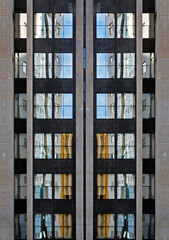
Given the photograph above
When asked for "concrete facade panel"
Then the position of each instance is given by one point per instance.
(6, 121)
(162, 122)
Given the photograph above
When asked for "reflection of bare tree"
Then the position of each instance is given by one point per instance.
(44, 229)
(121, 65)
(47, 36)
(45, 145)
(46, 25)
(122, 105)
(46, 67)
(122, 28)
(123, 146)
(124, 229)
(46, 106)
(17, 155)
(121, 34)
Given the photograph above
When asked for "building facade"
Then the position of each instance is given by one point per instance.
(84, 119)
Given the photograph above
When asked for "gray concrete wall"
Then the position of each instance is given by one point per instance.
(79, 121)
(30, 120)
(89, 120)
(162, 120)
(139, 120)
(6, 122)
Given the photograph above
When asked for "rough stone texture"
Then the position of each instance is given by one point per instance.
(6, 122)
(30, 120)
(89, 120)
(79, 121)
(162, 120)
(139, 121)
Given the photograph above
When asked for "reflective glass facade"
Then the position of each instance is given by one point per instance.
(69, 104)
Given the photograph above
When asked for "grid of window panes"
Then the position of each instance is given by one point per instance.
(63, 105)
(62, 145)
(53, 107)
(111, 226)
(43, 25)
(63, 65)
(105, 105)
(44, 186)
(20, 115)
(125, 147)
(109, 25)
(44, 223)
(107, 188)
(148, 114)
(115, 104)
(106, 65)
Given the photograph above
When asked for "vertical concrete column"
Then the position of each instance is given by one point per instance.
(6, 121)
(79, 121)
(139, 130)
(162, 121)
(30, 120)
(89, 120)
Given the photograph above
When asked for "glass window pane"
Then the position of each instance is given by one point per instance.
(148, 146)
(43, 106)
(125, 186)
(105, 65)
(125, 105)
(20, 105)
(105, 105)
(20, 65)
(126, 146)
(43, 65)
(63, 145)
(125, 65)
(105, 186)
(148, 70)
(20, 145)
(43, 25)
(63, 25)
(43, 226)
(148, 26)
(106, 226)
(64, 106)
(148, 186)
(63, 65)
(20, 25)
(20, 186)
(148, 226)
(43, 186)
(125, 25)
(42, 146)
(20, 226)
(105, 25)
(63, 186)
(126, 221)
(105, 145)
(63, 226)
(148, 106)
